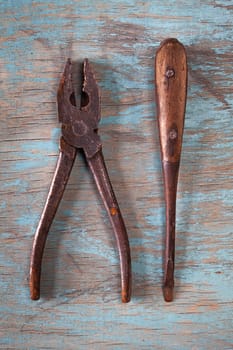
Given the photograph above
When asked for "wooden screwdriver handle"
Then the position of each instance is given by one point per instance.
(171, 87)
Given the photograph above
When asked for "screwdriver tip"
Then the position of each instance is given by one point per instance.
(168, 293)
(125, 296)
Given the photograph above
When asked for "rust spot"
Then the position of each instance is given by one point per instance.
(113, 211)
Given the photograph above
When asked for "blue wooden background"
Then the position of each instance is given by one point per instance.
(80, 306)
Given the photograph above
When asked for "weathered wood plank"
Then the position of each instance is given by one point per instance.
(81, 307)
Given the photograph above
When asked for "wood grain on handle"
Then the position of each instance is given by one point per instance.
(171, 86)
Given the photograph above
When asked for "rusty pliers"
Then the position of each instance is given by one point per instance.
(79, 130)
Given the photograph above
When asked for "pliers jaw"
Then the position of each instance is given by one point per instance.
(80, 124)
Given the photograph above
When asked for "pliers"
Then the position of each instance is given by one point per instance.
(79, 131)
